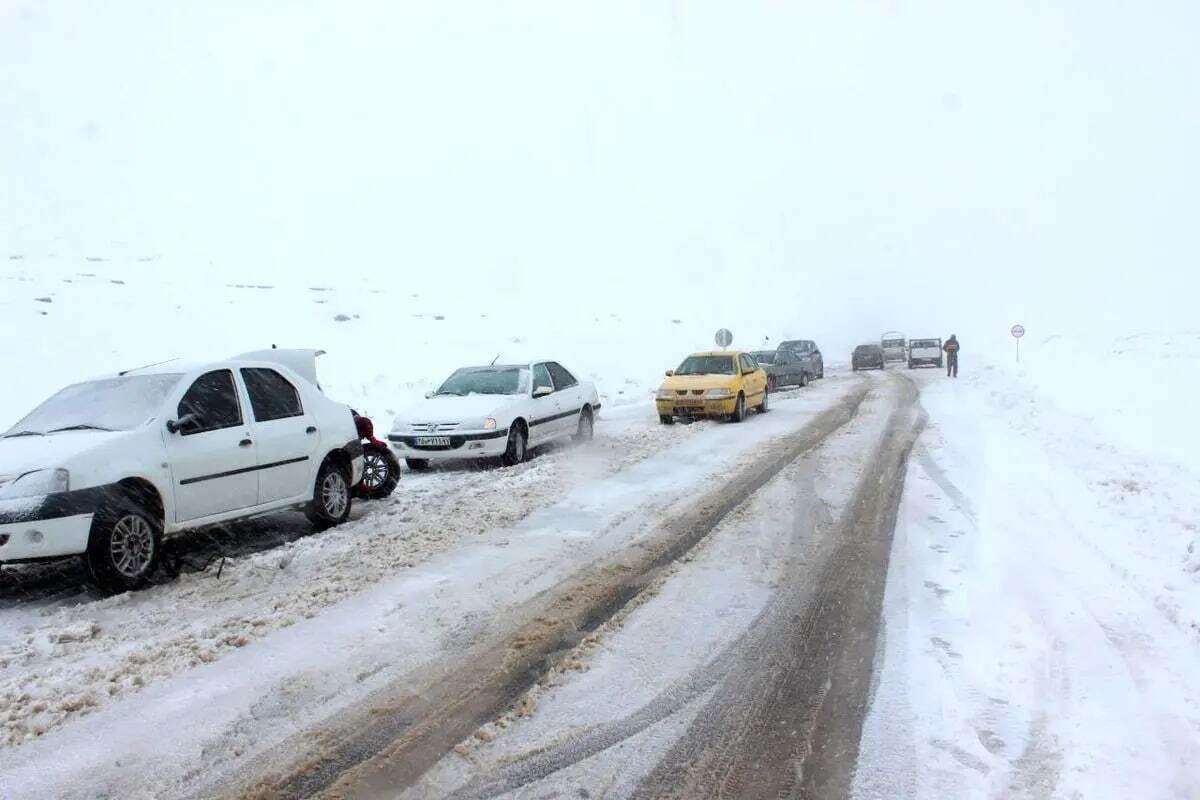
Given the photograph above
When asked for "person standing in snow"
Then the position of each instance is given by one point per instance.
(951, 348)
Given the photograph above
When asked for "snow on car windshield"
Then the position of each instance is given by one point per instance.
(487, 380)
(706, 365)
(764, 356)
(113, 404)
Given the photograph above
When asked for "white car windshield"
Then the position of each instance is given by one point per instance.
(487, 380)
(112, 404)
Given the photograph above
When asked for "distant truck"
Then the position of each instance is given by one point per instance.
(925, 353)
(895, 348)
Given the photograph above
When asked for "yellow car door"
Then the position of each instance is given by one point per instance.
(754, 379)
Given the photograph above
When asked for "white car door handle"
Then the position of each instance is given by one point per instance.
(245, 443)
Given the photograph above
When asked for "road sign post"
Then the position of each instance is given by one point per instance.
(1018, 331)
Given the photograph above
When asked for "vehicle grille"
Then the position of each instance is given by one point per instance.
(434, 427)
(682, 392)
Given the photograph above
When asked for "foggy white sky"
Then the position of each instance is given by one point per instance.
(929, 166)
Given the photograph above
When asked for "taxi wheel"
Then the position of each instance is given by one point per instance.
(739, 409)
(764, 406)
(666, 419)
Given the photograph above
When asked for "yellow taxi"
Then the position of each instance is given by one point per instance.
(715, 384)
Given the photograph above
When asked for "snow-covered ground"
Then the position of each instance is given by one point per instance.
(1042, 616)
(286, 637)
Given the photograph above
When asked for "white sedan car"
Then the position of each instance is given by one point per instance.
(497, 411)
(107, 467)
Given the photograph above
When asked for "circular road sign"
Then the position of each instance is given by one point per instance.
(724, 338)
(1018, 331)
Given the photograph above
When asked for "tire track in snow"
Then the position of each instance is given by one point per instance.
(719, 755)
(389, 745)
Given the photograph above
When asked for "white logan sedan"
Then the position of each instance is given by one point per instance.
(497, 411)
(106, 467)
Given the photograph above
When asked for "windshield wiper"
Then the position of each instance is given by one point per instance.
(83, 427)
(23, 433)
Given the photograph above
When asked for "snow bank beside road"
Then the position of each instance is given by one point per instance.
(1042, 617)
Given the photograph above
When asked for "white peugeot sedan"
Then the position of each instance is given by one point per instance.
(497, 411)
(107, 467)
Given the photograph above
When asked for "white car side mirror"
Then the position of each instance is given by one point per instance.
(542, 391)
(428, 395)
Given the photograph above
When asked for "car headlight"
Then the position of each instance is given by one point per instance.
(400, 425)
(489, 423)
(664, 394)
(36, 483)
(717, 394)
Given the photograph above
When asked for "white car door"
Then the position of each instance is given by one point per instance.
(544, 420)
(211, 453)
(570, 398)
(285, 434)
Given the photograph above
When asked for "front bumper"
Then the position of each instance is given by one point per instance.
(44, 538)
(465, 444)
(702, 408)
(921, 362)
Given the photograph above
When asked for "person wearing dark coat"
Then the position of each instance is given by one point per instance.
(951, 348)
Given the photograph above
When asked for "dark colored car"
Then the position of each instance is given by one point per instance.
(808, 353)
(784, 368)
(867, 356)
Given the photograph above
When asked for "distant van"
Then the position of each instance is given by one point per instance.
(925, 353)
(895, 348)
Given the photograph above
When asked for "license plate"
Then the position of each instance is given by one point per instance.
(433, 441)
(691, 403)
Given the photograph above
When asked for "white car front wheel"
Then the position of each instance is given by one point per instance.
(124, 546)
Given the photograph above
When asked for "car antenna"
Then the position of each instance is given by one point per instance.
(494, 360)
(125, 372)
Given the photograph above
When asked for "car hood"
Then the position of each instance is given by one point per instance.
(452, 408)
(21, 454)
(700, 382)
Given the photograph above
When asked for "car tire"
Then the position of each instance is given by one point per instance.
(764, 406)
(772, 383)
(332, 498)
(124, 546)
(587, 426)
(803, 379)
(517, 449)
(381, 473)
(739, 409)
(417, 464)
(666, 419)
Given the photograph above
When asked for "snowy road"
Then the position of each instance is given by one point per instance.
(694, 611)
(444, 567)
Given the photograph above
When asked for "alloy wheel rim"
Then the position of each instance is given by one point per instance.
(375, 471)
(131, 546)
(334, 494)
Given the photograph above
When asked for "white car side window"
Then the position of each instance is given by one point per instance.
(541, 377)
